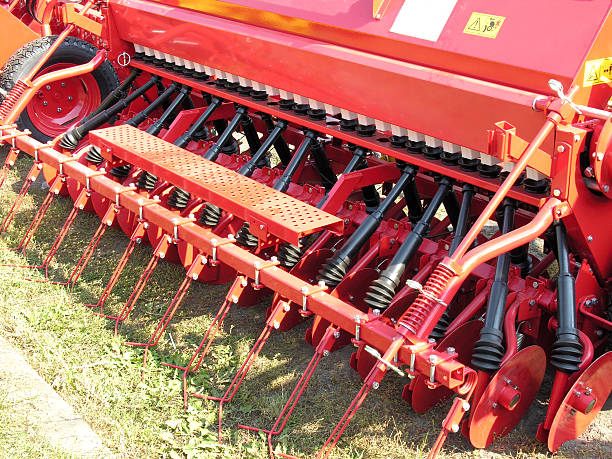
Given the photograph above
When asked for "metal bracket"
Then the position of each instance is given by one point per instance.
(306, 292)
(260, 267)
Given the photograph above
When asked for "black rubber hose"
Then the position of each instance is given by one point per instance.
(184, 139)
(140, 117)
(328, 177)
(250, 133)
(567, 350)
(157, 126)
(336, 267)
(117, 94)
(213, 152)
(489, 349)
(71, 139)
(383, 289)
(280, 145)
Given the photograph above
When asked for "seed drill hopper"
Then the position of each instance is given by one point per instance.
(423, 182)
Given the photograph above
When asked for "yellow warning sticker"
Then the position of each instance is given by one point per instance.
(484, 25)
(598, 72)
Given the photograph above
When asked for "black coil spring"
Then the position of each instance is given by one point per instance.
(333, 272)
(94, 155)
(245, 238)
(439, 330)
(179, 198)
(211, 215)
(289, 255)
(121, 172)
(146, 181)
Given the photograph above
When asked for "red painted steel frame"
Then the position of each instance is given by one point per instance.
(438, 103)
(373, 331)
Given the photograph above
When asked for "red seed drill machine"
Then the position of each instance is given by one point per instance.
(377, 139)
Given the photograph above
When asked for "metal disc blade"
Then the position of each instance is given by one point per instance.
(522, 374)
(570, 422)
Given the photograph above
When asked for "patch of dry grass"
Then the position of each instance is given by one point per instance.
(93, 370)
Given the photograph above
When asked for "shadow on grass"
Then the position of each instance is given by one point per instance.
(390, 427)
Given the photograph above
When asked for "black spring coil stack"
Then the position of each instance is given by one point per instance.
(179, 198)
(567, 350)
(146, 181)
(121, 172)
(94, 155)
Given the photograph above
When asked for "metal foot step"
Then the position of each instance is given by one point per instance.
(266, 210)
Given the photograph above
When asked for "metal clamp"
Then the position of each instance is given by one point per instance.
(260, 267)
(374, 353)
(178, 222)
(306, 292)
(215, 243)
(119, 191)
(557, 86)
(417, 286)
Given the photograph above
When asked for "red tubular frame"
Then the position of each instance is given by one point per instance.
(374, 331)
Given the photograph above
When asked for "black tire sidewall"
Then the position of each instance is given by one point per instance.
(72, 51)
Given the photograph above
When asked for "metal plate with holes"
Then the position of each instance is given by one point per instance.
(258, 204)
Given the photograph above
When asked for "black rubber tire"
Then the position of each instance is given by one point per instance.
(73, 51)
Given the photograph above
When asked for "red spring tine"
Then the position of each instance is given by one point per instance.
(192, 274)
(135, 238)
(206, 342)
(105, 223)
(38, 216)
(323, 349)
(159, 253)
(9, 162)
(30, 178)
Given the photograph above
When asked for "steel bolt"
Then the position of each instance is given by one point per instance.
(337, 334)
(494, 405)
(590, 238)
(286, 307)
(561, 148)
(433, 358)
(576, 138)
(588, 303)
(606, 188)
(63, 85)
(535, 285)
(59, 110)
(599, 333)
(276, 325)
(466, 406)
(450, 350)
(45, 103)
(375, 385)
(194, 276)
(532, 302)
(48, 88)
(138, 240)
(431, 341)
(69, 98)
(325, 353)
(595, 301)
(556, 192)
(376, 312)
(455, 428)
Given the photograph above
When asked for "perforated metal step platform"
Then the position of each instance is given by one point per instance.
(262, 207)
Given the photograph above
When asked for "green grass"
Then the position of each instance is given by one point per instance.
(143, 416)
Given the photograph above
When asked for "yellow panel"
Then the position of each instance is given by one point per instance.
(484, 25)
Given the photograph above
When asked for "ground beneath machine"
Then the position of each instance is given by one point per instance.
(77, 354)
